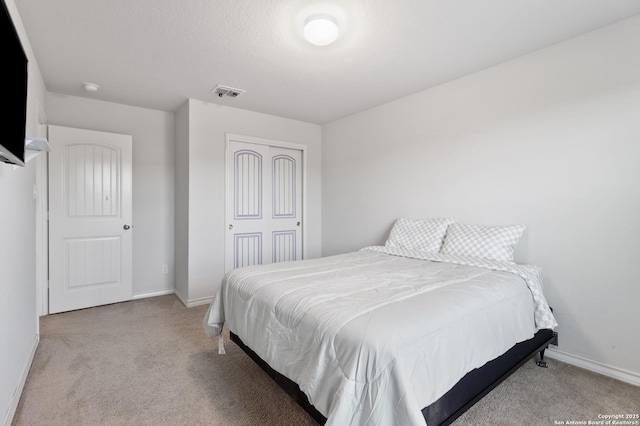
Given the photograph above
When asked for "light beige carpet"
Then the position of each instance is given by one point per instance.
(148, 362)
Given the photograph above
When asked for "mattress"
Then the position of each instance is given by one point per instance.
(373, 336)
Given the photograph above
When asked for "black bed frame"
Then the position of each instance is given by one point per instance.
(469, 390)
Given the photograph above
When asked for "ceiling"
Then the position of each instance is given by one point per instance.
(157, 53)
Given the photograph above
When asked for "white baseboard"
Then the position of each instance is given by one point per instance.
(597, 367)
(194, 302)
(152, 294)
(13, 406)
(200, 301)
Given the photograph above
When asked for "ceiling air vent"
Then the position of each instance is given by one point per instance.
(227, 91)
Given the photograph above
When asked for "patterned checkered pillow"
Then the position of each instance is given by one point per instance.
(495, 243)
(418, 234)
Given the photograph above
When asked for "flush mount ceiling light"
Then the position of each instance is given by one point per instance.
(90, 87)
(321, 30)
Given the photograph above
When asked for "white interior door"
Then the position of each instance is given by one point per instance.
(264, 203)
(90, 212)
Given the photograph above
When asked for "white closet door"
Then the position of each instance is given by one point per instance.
(286, 204)
(90, 209)
(264, 204)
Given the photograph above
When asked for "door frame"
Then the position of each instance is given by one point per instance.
(41, 195)
(234, 137)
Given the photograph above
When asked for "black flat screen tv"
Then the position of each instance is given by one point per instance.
(15, 72)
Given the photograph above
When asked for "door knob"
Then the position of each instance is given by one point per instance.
(298, 224)
(230, 226)
(126, 227)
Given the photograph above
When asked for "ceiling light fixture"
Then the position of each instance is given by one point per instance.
(321, 30)
(90, 87)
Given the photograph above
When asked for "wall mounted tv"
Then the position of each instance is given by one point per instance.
(15, 72)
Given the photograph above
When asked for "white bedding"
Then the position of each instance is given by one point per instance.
(372, 337)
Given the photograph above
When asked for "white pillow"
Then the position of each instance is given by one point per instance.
(495, 243)
(418, 234)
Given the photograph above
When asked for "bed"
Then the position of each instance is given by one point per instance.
(386, 334)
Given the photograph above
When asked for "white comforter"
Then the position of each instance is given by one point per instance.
(372, 337)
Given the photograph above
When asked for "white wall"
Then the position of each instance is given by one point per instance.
(153, 179)
(551, 140)
(207, 127)
(18, 315)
